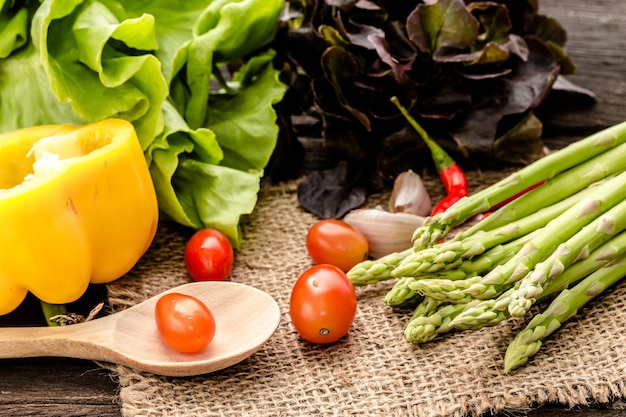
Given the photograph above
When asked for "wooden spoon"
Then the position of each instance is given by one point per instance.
(245, 319)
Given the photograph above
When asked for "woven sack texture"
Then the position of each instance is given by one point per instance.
(373, 371)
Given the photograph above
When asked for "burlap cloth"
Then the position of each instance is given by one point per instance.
(373, 371)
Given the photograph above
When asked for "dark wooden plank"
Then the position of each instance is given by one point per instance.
(580, 412)
(57, 386)
(597, 44)
(586, 412)
(613, 409)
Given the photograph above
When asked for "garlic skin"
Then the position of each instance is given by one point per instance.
(386, 232)
(409, 195)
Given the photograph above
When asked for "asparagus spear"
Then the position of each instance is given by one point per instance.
(456, 292)
(548, 238)
(498, 254)
(401, 295)
(436, 227)
(425, 308)
(443, 255)
(439, 284)
(374, 271)
(493, 311)
(588, 174)
(528, 342)
(464, 271)
(423, 327)
(578, 246)
(483, 249)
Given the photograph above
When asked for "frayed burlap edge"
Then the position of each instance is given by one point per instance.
(373, 371)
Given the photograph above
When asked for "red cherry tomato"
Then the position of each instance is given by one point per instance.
(337, 243)
(209, 256)
(323, 304)
(185, 323)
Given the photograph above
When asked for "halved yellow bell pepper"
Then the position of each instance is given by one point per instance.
(77, 205)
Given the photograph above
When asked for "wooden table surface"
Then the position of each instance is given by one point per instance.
(597, 44)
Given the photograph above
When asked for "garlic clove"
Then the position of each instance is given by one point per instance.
(409, 195)
(386, 232)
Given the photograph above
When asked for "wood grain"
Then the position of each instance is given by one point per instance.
(597, 45)
(57, 387)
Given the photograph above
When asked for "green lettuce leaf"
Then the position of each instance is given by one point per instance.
(218, 39)
(239, 139)
(86, 53)
(13, 28)
(26, 98)
(238, 117)
(163, 155)
(221, 187)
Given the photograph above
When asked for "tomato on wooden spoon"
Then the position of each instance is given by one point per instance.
(323, 304)
(209, 256)
(185, 323)
(336, 242)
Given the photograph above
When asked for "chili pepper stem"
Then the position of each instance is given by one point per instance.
(52, 310)
(440, 157)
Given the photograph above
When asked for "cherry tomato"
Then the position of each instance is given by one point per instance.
(337, 243)
(185, 323)
(209, 255)
(322, 304)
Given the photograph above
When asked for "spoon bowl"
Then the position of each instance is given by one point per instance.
(245, 318)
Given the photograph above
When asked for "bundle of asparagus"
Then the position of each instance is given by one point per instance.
(563, 241)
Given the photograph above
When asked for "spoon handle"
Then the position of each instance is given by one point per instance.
(89, 340)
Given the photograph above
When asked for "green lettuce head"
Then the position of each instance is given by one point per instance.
(207, 131)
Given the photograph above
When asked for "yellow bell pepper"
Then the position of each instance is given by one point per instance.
(77, 205)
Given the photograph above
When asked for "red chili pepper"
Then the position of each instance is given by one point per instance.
(508, 200)
(455, 183)
(453, 178)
